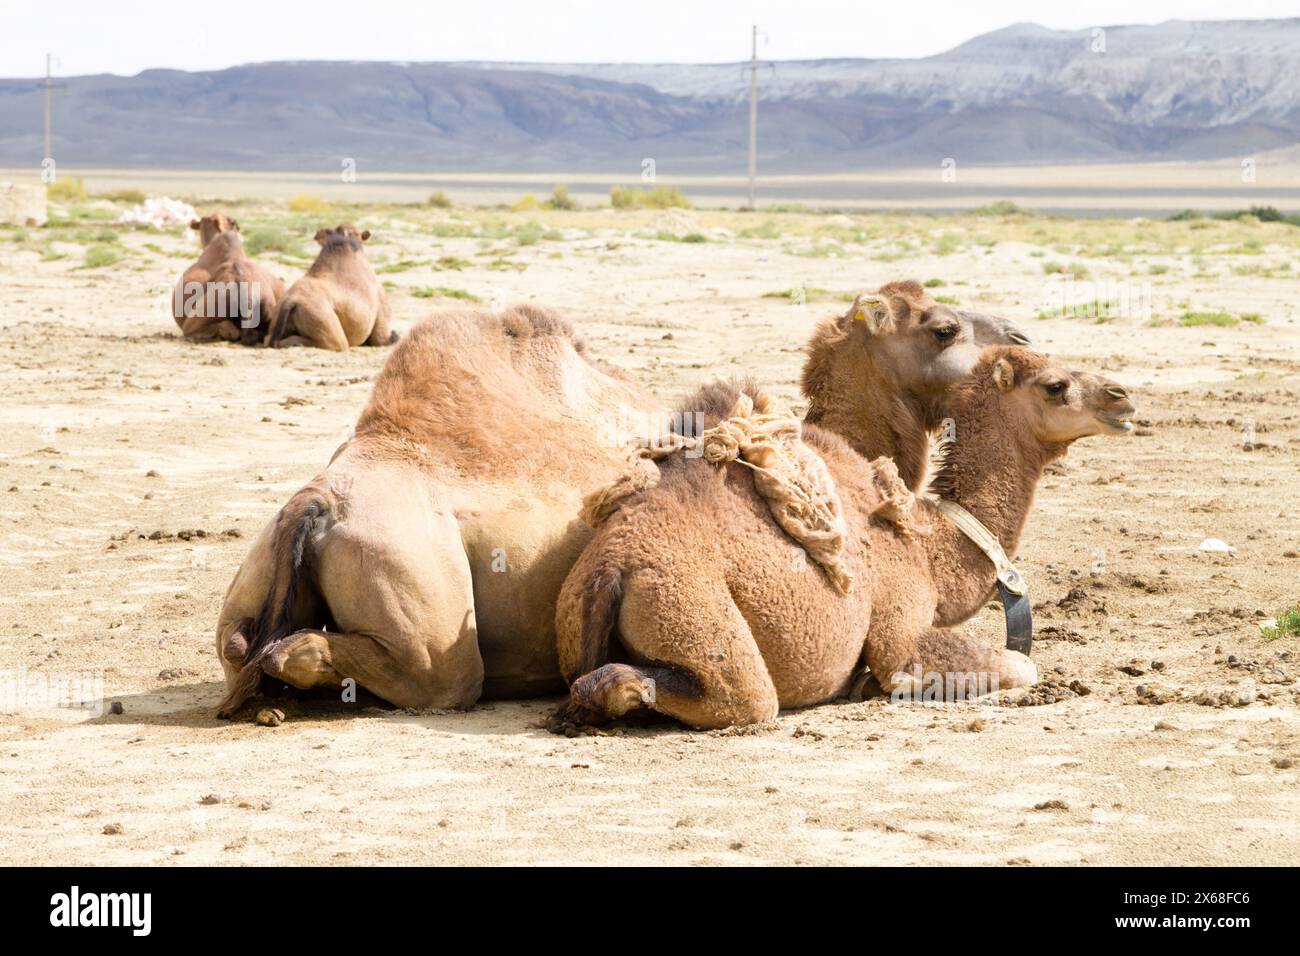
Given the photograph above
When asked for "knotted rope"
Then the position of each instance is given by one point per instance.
(788, 475)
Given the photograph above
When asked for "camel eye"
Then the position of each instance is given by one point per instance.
(946, 334)
(1057, 389)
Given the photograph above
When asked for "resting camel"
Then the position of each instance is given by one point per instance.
(694, 575)
(339, 302)
(426, 560)
(224, 295)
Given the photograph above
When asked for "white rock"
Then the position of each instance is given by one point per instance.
(1215, 546)
(22, 205)
(160, 212)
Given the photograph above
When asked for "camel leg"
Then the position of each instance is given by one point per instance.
(396, 580)
(398, 585)
(698, 661)
(319, 326)
(996, 668)
(903, 653)
(244, 598)
(382, 333)
(199, 328)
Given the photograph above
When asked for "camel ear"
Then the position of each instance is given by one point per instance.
(194, 224)
(1004, 375)
(869, 310)
(234, 225)
(365, 234)
(321, 234)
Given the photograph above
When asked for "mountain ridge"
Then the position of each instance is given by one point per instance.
(1022, 94)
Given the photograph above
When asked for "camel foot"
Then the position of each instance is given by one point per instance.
(1018, 670)
(301, 660)
(613, 690)
(605, 694)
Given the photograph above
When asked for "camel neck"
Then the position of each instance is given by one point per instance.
(991, 470)
(848, 401)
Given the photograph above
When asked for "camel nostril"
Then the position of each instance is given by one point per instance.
(1016, 337)
(1116, 392)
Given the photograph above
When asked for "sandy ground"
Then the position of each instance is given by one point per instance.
(115, 436)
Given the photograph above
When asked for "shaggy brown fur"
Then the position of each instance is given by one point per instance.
(223, 266)
(432, 547)
(877, 374)
(340, 302)
(722, 627)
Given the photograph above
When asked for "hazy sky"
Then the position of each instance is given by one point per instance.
(126, 36)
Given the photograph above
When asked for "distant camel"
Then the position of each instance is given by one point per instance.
(339, 302)
(225, 295)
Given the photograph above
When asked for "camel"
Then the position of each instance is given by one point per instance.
(464, 508)
(720, 628)
(224, 295)
(429, 552)
(339, 302)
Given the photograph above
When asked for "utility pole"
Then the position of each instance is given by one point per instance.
(49, 106)
(753, 115)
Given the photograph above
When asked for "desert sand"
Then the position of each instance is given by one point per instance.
(136, 468)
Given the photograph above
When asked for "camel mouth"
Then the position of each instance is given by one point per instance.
(1117, 426)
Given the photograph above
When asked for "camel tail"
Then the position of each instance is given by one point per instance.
(280, 325)
(601, 601)
(298, 520)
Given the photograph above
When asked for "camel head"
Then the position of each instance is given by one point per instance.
(343, 232)
(920, 345)
(993, 329)
(213, 225)
(1055, 405)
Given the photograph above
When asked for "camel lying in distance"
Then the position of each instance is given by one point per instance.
(340, 302)
(695, 578)
(507, 422)
(224, 295)
(434, 544)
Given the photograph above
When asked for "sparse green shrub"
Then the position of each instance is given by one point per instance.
(67, 190)
(98, 257)
(438, 200)
(1208, 318)
(307, 203)
(560, 198)
(128, 197)
(258, 241)
(1288, 625)
(660, 197)
(444, 292)
(1001, 207)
